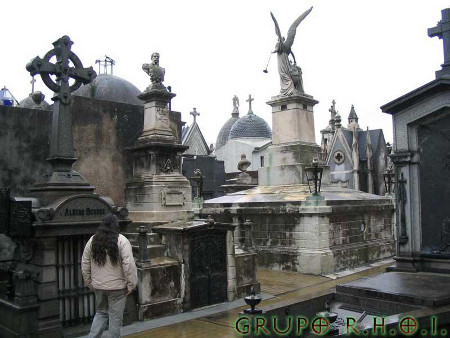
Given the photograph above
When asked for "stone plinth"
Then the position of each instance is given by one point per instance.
(159, 287)
(158, 191)
(156, 116)
(347, 228)
(205, 250)
(293, 119)
(285, 164)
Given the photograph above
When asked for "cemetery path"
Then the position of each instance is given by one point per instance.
(277, 287)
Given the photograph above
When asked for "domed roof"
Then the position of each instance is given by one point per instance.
(110, 88)
(250, 125)
(35, 100)
(224, 132)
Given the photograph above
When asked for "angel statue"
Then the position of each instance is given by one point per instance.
(290, 74)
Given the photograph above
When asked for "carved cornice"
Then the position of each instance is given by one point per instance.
(402, 158)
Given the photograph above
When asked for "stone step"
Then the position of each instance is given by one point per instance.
(154, 251)
(152, 238)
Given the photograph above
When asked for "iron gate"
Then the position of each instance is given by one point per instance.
(208, 281)
(76, 301)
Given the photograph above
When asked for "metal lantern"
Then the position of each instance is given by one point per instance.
(314, 174)
(389, 180)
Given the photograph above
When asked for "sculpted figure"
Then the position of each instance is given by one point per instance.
(235, 104)
(290, 74)
(155, 71)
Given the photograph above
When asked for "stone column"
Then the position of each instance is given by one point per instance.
(231, 267)
(158, 191)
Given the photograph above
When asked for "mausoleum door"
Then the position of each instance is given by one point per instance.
(434, 148)
(208, 281)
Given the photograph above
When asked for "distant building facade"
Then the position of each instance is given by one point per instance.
(357, 158)
(249, 135)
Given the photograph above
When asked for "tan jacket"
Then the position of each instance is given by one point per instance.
(108, 276)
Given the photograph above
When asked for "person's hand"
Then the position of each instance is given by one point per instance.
(129, 291)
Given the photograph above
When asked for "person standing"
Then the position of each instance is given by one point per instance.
(108, 267)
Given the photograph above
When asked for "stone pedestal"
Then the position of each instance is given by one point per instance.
(156, 116)
(285, 164)
(293, 119)
(158, 191)
(293, 141)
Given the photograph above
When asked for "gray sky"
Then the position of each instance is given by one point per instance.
(359, 52)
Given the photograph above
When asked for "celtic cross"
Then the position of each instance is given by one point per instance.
(61, 147)
(61, 70)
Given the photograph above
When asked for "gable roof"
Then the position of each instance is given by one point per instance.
(192, 135)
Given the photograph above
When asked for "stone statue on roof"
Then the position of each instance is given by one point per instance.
(155, 71)
(290, 74)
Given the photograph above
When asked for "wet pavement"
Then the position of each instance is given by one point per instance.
(277, 288)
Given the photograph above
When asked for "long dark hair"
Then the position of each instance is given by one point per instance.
(105, 241)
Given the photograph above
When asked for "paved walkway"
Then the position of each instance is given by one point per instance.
(277, 287)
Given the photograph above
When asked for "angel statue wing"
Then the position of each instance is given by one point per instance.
(277, 28)
(291, 32)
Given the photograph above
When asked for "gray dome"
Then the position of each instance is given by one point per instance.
(110, 88)
(222, 138)
(35, 101)
(250, 125)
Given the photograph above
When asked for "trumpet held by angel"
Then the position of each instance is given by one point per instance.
(290, 74)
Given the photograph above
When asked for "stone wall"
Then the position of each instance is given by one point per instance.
(318, 240)
(102, 130)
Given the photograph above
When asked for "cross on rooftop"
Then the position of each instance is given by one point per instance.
(332, 109)
(250, 104)
(195, 113)
(442, 30)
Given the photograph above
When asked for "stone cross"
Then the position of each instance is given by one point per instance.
(61, 146)
(332, 109)
(195, 114)
(32, 84)
(442, 30)
(250, 103)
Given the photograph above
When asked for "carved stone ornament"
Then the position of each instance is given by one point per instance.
(45, 215)
(338, 157)
(162, 114)
(168, 164)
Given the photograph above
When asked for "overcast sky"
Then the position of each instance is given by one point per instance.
(359, 52)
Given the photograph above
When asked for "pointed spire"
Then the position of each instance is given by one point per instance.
(355, 158)
(353, 119)
(352, 114)
(369, 155)
(337, 121)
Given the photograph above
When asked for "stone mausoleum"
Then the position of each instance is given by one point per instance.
(132, 152)
(290, 229)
